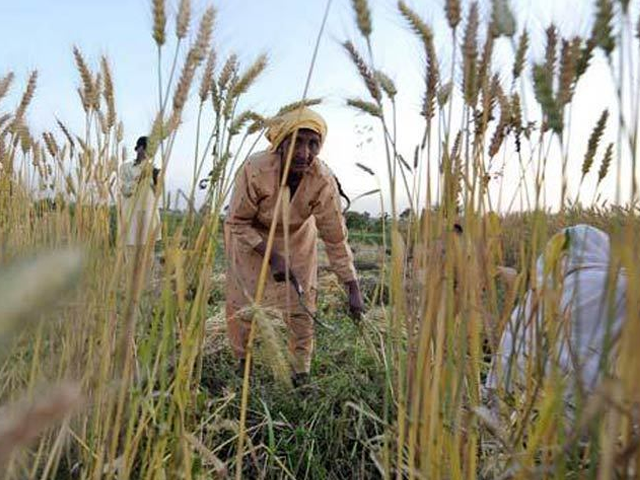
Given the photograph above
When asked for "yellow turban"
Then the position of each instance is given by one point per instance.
(284, 125)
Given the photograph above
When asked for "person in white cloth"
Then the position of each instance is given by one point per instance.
(139, 212)
(582, 345)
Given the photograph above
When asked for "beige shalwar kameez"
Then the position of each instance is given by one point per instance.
(139, 213)
(314, 209)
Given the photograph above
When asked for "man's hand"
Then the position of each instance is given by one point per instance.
(277, 263)
(278, 267)
(356, 305)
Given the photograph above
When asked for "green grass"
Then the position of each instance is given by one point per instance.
(313, 431)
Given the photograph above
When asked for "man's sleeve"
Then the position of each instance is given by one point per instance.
(333, 231)
(243, 209)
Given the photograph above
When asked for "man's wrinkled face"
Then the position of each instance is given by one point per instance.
(306, 148)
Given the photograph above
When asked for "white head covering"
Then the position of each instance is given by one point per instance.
(592, 311)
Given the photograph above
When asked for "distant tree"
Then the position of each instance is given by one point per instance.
(358, 221)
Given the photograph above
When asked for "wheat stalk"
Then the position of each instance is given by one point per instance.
(516, 119)
(386, 84)
(503, 23)
(183, 19)
(550, 55)
(26, 140)
(484, 69)
(159, 22)
(569, 56)
(453, 13)
(419, 27)
(503, 123)
(241, 120)
(4, 118)
(366, 107)
(606, 163)
(96, 90)
(86, 93)
(66, 133)
(309, 102)
(364, 70)
(183, 87)
(521, 52)
(26, 99)
(203, 38)
(585, 57)
(5, 84)
(207, 77)
(228, 71)
(602, 32)
(108, 93)
(51, 144)
(594, 141)
(365, 168)
(431, 81)
(469, 51)
(246, 80)
(363, 17)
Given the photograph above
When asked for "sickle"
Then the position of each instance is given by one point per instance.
(300, 293)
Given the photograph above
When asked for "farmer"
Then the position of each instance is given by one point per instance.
(313, 209)
(139, 208)
(579, 339)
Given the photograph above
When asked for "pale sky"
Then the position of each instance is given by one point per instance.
(40, 34)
